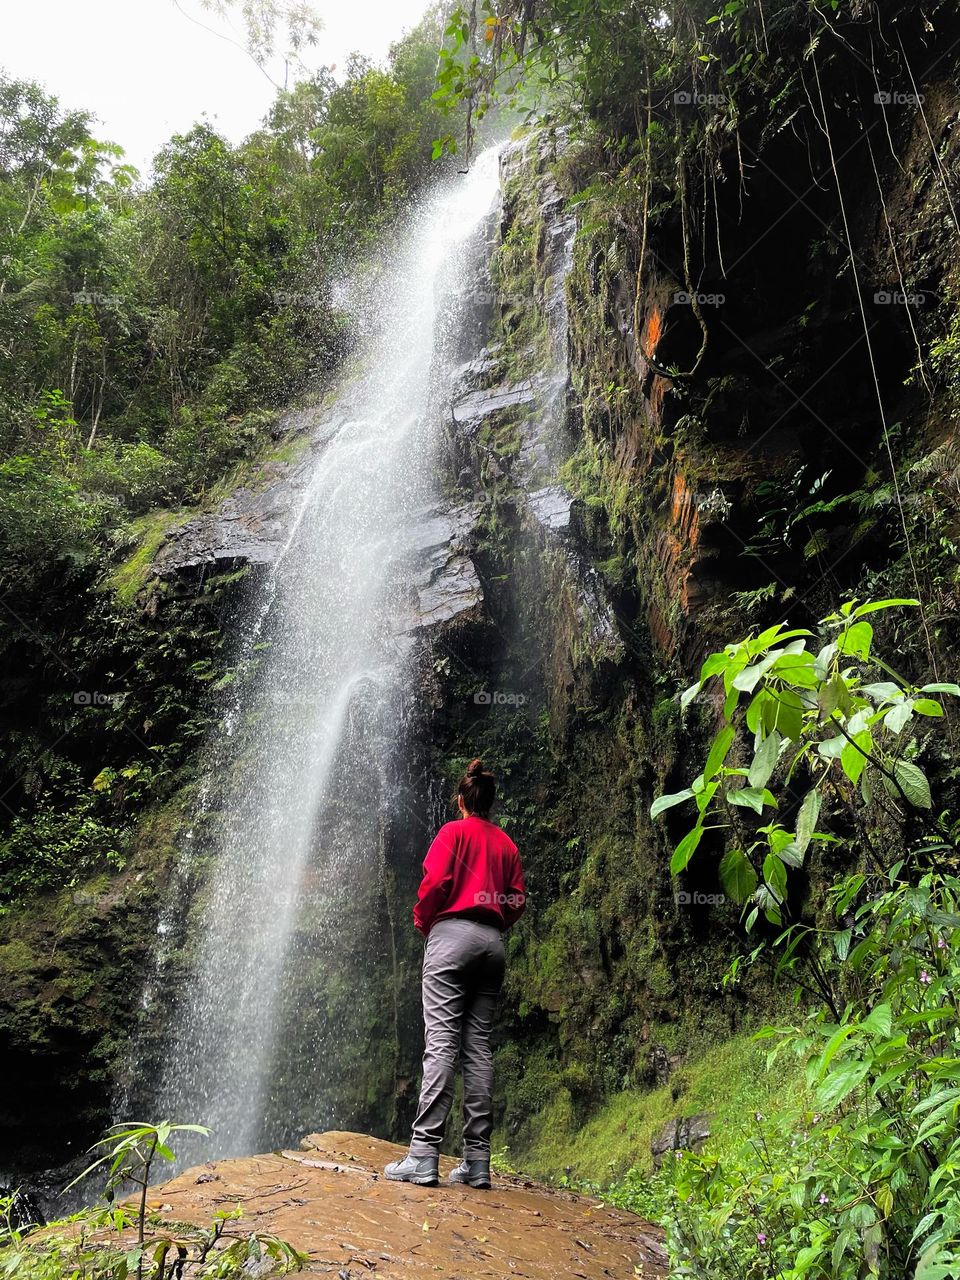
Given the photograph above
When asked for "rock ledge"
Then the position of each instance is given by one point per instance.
(331, 1201)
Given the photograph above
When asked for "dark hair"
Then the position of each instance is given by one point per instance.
(478, 789)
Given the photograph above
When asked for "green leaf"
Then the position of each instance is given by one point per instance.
(667, 802)
(686, 849)
(914, 784)
(873, 605)
(866, 786)
(824, 658)
(807, 818)
(784, 712)
(765, 761)
(749, 798)
(791, 854)
(832, 748)
(689, 694)
(775, 875)
(899, 715)
(853, 761)
(841, 1082)
(748, 679)
(737, 876)
(881, 690)
(942, 688)
(855, 641)
(878, 1021)
(927, 707)
(718, 751)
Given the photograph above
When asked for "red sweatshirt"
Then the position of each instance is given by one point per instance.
(471, 869)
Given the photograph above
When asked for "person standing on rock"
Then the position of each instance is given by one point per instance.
(472, 891)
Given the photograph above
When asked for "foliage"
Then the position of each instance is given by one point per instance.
(838, 719)
(868, 1183)
(95, 1244)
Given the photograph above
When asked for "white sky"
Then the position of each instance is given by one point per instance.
(146, 71)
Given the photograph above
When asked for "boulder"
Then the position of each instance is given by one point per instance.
(687, 1133)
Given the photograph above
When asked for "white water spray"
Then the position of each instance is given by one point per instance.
(294, 846)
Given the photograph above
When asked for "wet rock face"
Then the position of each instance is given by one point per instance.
(440, 580)
(437, 580)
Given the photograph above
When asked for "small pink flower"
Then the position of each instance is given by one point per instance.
(941, 944)
(925, 977)
(761, 1238)
(816, 1118)
(824, 1198)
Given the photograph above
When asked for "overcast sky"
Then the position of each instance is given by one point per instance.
(147, 71)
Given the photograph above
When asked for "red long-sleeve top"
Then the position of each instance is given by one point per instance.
(472, 869)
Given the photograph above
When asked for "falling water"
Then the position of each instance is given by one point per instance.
(273, 1006)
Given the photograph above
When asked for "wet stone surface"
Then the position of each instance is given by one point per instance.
(331, 1201)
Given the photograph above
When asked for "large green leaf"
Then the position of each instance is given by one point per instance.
(775, 874)
(899, 715)
(667, 802)
(807, 818)
(878, 1021)
(737, 876)
(765, 761)
(853, 758)
(873, 605)
(686, 849)
(913, 782)
(718, 751)
(784, 712)
(856, 640)
(841, 1082)
(751, 798)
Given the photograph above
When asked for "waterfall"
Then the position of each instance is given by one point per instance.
(292, 844)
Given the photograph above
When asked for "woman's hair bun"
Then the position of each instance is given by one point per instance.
(477, 789)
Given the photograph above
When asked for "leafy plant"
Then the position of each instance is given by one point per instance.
(822, 718)
(91, 1246)
(865, 1180)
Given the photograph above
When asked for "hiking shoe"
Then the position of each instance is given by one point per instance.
(472, 1173)
(420, 1170)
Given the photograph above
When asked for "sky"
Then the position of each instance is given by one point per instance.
(147, 71)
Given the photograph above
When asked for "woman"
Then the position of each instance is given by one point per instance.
(472, 890)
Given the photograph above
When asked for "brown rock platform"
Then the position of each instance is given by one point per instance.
(331, 1201)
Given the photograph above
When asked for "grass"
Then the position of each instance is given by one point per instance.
(730, 1081)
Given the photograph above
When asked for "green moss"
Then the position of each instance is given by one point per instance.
(730, 1081)
(148, 534)
(16, 959)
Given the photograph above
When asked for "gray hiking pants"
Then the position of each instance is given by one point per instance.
(462, 974)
